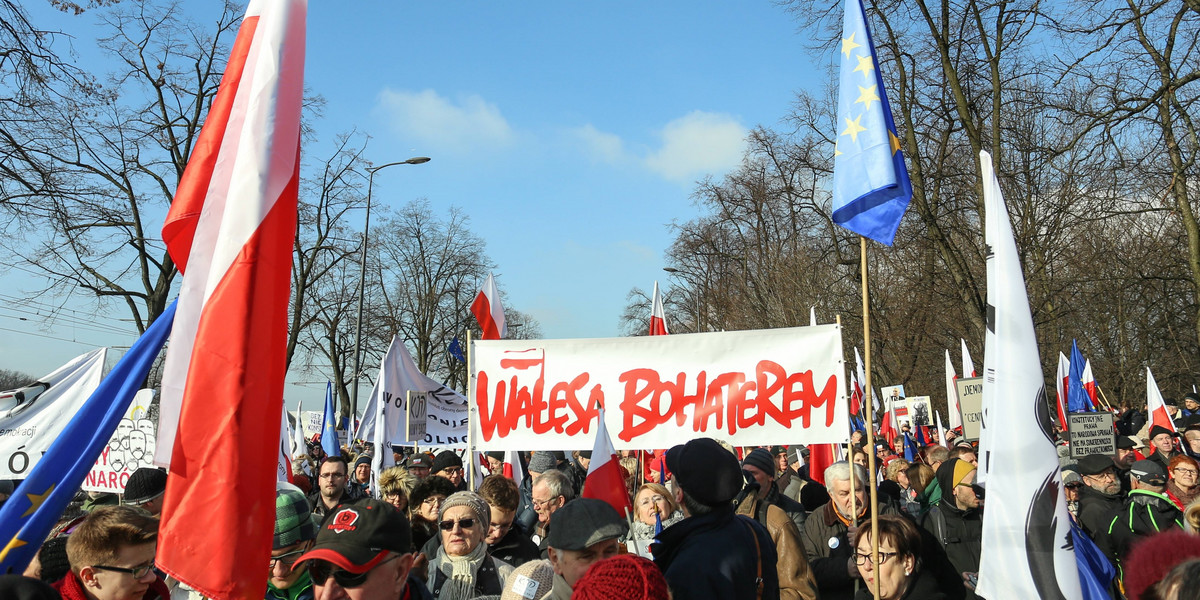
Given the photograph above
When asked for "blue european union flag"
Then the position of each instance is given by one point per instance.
(329, 437)
(1096, 573)
(1078, 399)
(29, 515)
(871, 189)
(456, 350)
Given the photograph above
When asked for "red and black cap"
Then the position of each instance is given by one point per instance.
(358, 536)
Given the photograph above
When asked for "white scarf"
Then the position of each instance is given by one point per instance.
(460, 572)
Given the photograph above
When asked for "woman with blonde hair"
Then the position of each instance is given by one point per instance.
(395, 486)
(652, 499)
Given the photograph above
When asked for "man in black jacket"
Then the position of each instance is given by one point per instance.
(1100, 495)
(1145, 512)
(713, 553)
(956, 521)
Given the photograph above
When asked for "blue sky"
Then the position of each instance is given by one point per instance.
(572, 134)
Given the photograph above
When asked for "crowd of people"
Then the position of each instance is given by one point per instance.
(707, 521)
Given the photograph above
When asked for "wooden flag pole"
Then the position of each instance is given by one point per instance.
(862, 246)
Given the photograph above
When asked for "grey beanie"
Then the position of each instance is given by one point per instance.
(542, 461)
(471, 500)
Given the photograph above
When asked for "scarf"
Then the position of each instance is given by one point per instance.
(460, 573)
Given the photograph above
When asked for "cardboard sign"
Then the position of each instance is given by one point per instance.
(775, 386)
(415, 414)
(1091, 433)
(970, 402)
(920, 412)
(130, 448)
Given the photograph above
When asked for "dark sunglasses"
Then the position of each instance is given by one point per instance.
(464, 523)
(321, 570)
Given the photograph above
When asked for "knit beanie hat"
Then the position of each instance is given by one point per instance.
(145, 484)
(293, 517)
(1158, 430)
(471, 500)
(761, 460)
(542, 461)
(625, 576)
(444, 460)
(530, 580)
(1152, 557)
(53, 557)
(496, 455)
(362, 460)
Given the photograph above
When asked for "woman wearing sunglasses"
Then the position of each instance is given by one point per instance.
(900, 573)
(463, 568)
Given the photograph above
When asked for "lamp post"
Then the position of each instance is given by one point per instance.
(362, 279)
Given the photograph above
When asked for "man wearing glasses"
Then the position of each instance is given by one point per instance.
(332, 489)
(447, 464)
(362, 553)
(112, 557)
(1100, 496)
(551, 491)
(295, 530)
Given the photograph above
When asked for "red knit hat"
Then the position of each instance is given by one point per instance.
(625, 576)
(1153, 557)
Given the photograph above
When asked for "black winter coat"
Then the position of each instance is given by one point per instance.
(1095, 512)
(1144, 513)
(924, 587)
(959, 532)
(714, 556)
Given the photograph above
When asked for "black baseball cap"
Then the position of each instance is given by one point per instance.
(357, 537)
(1148, 471)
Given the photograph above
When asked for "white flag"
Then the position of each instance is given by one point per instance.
(299, 443)
(942, 433)
(1027, 550)
(955, 413)
(968, 364)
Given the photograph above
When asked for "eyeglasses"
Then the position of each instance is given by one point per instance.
(433, 500)
(537, 504)
(452, 470)
(1185, 471)
(500, 526)
(288, 559)
(137, 572)
(863, 559)
(321, 570)
(464, 523)
(332, 475)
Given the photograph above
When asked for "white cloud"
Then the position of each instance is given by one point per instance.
(598, 145)
(698, 143)
(436, 121)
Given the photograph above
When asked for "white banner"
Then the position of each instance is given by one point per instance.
(130, 448)
(445, 410)
(32, 417)
(750, 388)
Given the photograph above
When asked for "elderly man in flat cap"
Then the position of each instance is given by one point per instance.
(582, 532)
(713, 553)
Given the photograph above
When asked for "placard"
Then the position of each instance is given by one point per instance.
(970, 402)
(1091, 433)
(920, 412)
(130, 448)
(417, 405)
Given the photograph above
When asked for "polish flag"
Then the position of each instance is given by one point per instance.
(230, 231)
(1061, 380)
(968, 364)
(514, 469)
(952, 408)
(856, 394)
(489, 312)
(658, 317)
(604, 479)
(888, 430)
(820, 456)
(1155, 405)
(1089, 383)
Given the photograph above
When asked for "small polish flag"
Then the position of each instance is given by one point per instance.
(820, 456)
(1155, 405)
(968, 364)
(489, 312)
(1063, 378)
(1089, 383)
(658, 317)
(604, 479)
(955, 413)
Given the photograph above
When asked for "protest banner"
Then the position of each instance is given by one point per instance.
(1091, 433)
(32, 417)
(445, 409)
(130, 448)
(776, 386)
(312, 421)
(970, 402)
(920, 412)
(414, 415)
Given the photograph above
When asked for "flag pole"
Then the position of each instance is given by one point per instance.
(470, 409)
(862, 246)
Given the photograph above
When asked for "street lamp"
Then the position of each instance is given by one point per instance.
(699, 301)
(362, 279)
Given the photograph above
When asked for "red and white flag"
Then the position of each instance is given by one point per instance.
(230, 231)
(952, 408)
(888, 429)
(1061, 380)
(968, 364)
(604, 479)
(658, 317)
(489, 311)
(820, 456)
(513, 469)
(1155, 405)
(856, 385)
(1089, 383)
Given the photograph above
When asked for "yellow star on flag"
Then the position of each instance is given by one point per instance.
(36, 500)
(848, 45)
(865, 64)
(866, 95)
(853, 129)
(895, 142)
(836, 151)
(12, 545)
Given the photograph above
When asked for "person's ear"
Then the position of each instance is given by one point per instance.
(910, 565)
(88, 576)
(405, 563)
(554, 557)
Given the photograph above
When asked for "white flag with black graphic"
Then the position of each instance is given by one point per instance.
(1027, 551)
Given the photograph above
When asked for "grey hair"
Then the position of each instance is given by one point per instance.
(557, 484)
(840, 471)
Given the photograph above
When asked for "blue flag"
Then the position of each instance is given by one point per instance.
(909, 454)
(1096, 573)
(329, 438)
(456, 350)
(657, 524)
(871, 189)
(1078, 399)
(29, 515)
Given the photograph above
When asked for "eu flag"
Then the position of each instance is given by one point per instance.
(29, 515)
(871, 189)
(329, 437)
(1078, 399)
(456, 350)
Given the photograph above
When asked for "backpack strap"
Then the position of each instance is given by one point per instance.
(758, 578)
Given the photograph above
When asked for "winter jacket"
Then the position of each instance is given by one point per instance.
(795, 577)
(301, 589)
(794, 510)
(526, 517)
(352, 493)
(577, 474)
(1096, 510)
(924, 587)
(717, 555)
(958, 531)
(830, 550)
(1144, 513)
